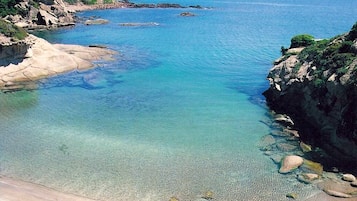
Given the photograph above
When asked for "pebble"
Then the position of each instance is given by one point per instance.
(337, 194)
(307, 177)
(292, 195)
(173, 199)
(349, 177)
(208, 195)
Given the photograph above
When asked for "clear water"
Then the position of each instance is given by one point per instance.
(176, 114)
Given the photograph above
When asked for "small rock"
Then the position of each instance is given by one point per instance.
(208, 195)
(305, 147)
(354, 184)
(337, 193)
(284, 119)
(173, 199)
(307, 177)
(349, 177)
(96, 21)
(187, 14)
(267, 140)
(290, 163)
(292, 195)
(294, 133)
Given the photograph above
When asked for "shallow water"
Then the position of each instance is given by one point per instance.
(176, 114)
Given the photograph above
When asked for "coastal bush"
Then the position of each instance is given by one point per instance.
(71, 1)
(302, 40)
(12, 31)
(89, 2)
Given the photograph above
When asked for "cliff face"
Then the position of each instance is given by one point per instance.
(316, 87)
(43, 14)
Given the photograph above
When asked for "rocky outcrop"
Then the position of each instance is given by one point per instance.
(43, 60)
(45, 14)
(316, 87)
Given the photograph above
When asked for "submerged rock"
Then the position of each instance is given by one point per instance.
(187, 14)
(96, 21)
(308, 177)
(138, 24)
(208, 195)
(292, 195)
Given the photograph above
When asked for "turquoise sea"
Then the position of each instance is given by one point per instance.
(177, 113)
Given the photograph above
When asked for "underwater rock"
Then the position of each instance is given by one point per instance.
(96, 21)
(307, 177)
(173, 198)
(286, 147)
(208, 195)
(139, 24)
(187, 14)
(292, 195)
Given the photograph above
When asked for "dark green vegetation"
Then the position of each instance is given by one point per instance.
(12, 31)
(302, 40)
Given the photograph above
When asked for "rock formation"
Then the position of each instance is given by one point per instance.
(45, 14)
(316, 87)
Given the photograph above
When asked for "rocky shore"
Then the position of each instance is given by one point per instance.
(312, 94)
(316, 87)
(36, 59)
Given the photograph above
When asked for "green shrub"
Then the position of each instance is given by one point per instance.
(302, 40)
(11, 30)
(89, 2)
(71, 1)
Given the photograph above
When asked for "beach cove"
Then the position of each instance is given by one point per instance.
(177, 114)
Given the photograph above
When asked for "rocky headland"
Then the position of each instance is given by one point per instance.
(314, 84)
